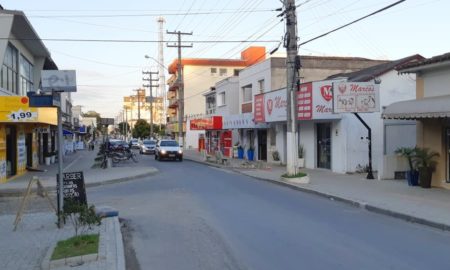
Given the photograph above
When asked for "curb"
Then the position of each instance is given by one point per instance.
(20, 192)
(354, 203)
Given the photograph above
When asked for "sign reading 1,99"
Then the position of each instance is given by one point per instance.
(22, 116)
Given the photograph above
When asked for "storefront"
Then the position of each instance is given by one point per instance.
(270, 109)
(243, 128)
(215, 138)
(24, 135)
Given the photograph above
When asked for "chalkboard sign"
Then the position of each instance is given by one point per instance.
(73, 187)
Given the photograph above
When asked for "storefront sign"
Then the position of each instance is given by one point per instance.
(16, 109)
(21, 152)
(207, 123)
(244, 120)
(22, 116)
(271, 106)
(73, 187)
(315, 101)
(359, 97)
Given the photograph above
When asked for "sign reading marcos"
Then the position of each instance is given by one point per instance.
(315, 101)
(359, 97)
(271, 106)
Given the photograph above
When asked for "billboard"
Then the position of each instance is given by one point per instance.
(59, 80)
(357, 97)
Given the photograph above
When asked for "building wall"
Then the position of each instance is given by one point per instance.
(231, 88)
(436, 83)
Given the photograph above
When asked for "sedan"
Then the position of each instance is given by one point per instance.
(168, 149)
(147, 147)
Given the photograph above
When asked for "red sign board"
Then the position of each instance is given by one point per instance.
(209, 123)
(304, 102)
(259, 108)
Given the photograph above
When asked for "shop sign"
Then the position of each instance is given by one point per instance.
(16, 109)
(73, 187)
(357, 97)
(208, 123)
(271, 106)
(22, 116)
(244, 120)
(315, 101)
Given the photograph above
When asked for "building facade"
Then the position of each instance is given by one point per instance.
(431, 110)
(27, 135)
(199, 75)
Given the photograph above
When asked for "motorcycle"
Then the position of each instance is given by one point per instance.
(126, 154)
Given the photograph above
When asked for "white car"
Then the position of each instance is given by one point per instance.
(168, 149)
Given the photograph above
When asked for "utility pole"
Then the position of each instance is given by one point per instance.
(139, 102)
(126, 122)
(180, 83)
(292, 67)
(150, 85)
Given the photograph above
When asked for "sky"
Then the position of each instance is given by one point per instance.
(108, 71)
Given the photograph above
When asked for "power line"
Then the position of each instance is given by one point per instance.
(151, 14)
(352, 22)
(134, 40)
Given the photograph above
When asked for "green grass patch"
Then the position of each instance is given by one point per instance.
(76, 246)
(300, 174)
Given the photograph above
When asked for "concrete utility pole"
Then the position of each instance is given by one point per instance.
(150, 86)
(180, 83)
(292, 67)
(126, 122)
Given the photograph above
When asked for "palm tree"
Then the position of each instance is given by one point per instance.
(425, 160)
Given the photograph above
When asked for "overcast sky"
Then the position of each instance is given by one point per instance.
(108, 71)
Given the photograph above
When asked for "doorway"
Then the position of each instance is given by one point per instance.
(262, 144)
(324, 145)
(11, 151)
(29, 146)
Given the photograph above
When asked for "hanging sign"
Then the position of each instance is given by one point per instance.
(358, 97)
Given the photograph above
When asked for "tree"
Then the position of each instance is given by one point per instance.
(122, 126)
(141, 129)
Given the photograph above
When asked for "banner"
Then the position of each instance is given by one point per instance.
(359, 97)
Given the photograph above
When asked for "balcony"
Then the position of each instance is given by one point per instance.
(173, 103)
(171, 95)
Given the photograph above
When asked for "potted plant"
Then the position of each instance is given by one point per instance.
(412, 176)
(250, 152)
(301, 156)
(240, 150)
(276, 155)
(48, 158)
(52, 157)
(426, 163)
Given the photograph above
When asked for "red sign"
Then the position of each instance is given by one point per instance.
(304, 102)
(209, 123)
(259, 109)
(326, 92)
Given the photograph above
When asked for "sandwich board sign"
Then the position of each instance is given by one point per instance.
(356, 97)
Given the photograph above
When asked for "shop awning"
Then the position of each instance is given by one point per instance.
(430, 107)
(67, 132)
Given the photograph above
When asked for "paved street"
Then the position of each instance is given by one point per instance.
(190, 216)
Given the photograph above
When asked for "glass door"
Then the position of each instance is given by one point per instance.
(324, 145)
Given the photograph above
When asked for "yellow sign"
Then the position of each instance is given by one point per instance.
(16, 109)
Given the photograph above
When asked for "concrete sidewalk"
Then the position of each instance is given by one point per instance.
(391, 197)
(79, 161)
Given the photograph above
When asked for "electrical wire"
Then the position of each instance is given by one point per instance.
(132, 40)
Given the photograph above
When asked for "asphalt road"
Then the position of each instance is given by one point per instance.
(191, 216)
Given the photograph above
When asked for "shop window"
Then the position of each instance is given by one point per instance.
(26, 75)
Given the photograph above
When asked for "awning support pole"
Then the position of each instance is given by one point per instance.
(369, 131)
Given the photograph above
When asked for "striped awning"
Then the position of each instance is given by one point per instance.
(430, 107)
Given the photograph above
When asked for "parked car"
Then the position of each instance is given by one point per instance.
(115, 145)
(147, 147)
(134, 143)
(168, 149)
